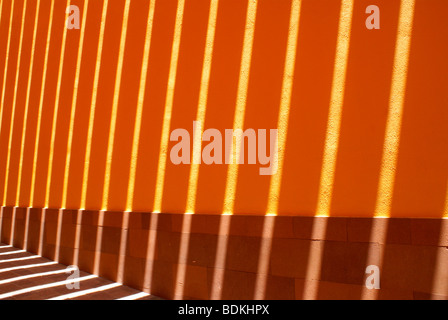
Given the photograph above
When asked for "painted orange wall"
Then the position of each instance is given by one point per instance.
(421, 170)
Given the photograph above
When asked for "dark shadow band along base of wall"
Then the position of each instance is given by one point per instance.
(241, 257)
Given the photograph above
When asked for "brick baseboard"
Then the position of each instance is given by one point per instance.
(241, 257)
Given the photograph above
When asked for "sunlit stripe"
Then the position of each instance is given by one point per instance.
(123, 247)
(14, 102)
(375, 254)
(1, 10)
(11, 252)
(240, 108)
(73, 107)
(35, 275)
(285, 105)
(220, 257)
(183, 257)
(98, 243)
(55, 112)
(315, 257)
(57, 248)
(2, 247)
(27, 103)
(45, 286)
(139, 111)
(194, 169)
(5, 70)
(16, 82)
(314, 264)
(264, 257)
(202, 106)
(440, 276)
(86, 292)
(41, 103)
(28, 266)
(151, 251)
(386, 182)
(335, 112)
(13, 226)
(41, 231)
(85, 176)
(1, 223)
(113, 120)
(445, 211)
(160, 180)
(19, 259)
(224, 223)
(26, 231)
(135, 296)
(282, 126)
(77, 238)
(396, 102)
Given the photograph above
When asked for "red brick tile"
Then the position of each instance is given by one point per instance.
(50, 232)
(68, 234)
(111, 238)
(48, 251)
(250, 226)
(205, 224)
(69, 216)
(335, 228)
(6, 230)
(243, 253)
(35, 214)
(66, 255)
(167, 246)
(86, 260)
(7, 212)
(395, 294)
(430, 272)
(162, 280)
(113, 219)
(88, 237)
(135, 220)
(164, 221)
(20, 213)
(90, 217)
(137, 243)
(289, 257)
(51, 215)
(278, 288)
(108, 266)
(357, 255)
(202, 249)
(335, 262)
(398, 270)
(368, 230)
(284, 227)
(19, 234)
(325, 290)
(359, 229)
(431, 232)
(134, 272)
(195, 282)
(429, 296)
(237, 285)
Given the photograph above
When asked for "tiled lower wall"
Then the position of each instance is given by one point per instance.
(241, 257)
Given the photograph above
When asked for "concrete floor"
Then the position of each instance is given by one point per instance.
(25, 276)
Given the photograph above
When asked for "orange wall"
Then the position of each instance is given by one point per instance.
(420, 174)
